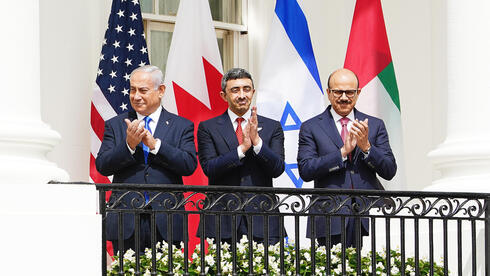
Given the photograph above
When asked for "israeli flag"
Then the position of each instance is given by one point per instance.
(290, 90)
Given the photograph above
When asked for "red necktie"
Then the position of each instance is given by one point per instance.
(239, 131)
(344, 132)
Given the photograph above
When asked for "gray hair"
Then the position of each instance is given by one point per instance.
(155, 72)
(233, 74)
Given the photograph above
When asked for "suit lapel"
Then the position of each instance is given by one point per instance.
(328, 125)
(225, 129)
(163, 125)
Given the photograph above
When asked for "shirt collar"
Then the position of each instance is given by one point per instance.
(337, 117)
(154, 116)
(233, 116)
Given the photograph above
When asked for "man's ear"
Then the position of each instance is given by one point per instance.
(223, 95)
(161, 90)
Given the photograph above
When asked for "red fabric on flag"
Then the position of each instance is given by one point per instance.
(367, 36)
(193, 79)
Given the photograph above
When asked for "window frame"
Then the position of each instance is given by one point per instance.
(235, 36)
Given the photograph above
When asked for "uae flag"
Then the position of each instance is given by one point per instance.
(368, 55)
(193, 80)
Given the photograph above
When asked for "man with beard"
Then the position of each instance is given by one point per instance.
(241, 148)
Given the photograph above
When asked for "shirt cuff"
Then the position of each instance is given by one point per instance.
(158, 143)
(241, 155)
(366, 154)
(258, 147)
(130, 150)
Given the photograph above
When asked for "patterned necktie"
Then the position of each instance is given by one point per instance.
(239, 131)
(344, 132)
(146, 149)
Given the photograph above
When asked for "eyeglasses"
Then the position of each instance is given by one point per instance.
(338, 93)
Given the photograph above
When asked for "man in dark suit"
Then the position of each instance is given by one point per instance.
(148, 145)
(343, 148)
(240, 148)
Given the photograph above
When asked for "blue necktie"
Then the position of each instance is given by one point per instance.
(146, 149)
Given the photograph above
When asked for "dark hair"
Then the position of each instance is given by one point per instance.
(330, 76)
(233, 74)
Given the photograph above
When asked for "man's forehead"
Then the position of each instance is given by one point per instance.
(239, 82)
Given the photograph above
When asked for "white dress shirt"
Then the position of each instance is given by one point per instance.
(155, 116)
(245, 117)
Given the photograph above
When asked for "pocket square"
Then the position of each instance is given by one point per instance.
(259, 129)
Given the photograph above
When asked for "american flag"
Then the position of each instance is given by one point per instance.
(123, 50)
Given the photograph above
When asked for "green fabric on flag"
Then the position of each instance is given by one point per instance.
(388, 79)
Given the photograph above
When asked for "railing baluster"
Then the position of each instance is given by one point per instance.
(358, 244)
(487, 235)
(233, 243)
(343, 243)
(431, 246)
(328, 244)
(373, 246)
(312, 245)
(153, 232)
(446, 259)
(250, 245)
(281, 244)
(388, 246)
(202, 244)
(416, 235)
(103, 214)
(460, 249)
(137, 240)
(402, 245)
(186, 243)
(217, 226)
(266, 244)
(297, 244)
(473, 248)
(170, 219)
(120, 242)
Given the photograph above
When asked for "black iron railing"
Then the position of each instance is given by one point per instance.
(454, 226)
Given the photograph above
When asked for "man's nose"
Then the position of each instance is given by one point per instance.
(344, 96)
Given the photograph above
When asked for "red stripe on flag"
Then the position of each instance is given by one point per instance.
(96, 122)
(97, 177)
(191, 108)
(368, 52)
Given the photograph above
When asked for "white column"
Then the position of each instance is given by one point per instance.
(464, 157)
(45, 229)
(24, 138)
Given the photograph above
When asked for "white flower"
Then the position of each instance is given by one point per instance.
(244, 239)
(307, 256)
(334, 259)
(338, 270)
(147, 273)
(380, 265)
(395, 270)
(210, 260)
(336, 248)
(409, 268)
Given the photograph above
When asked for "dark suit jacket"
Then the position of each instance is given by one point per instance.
(217, 151)
(176, 158)
(319, 159)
